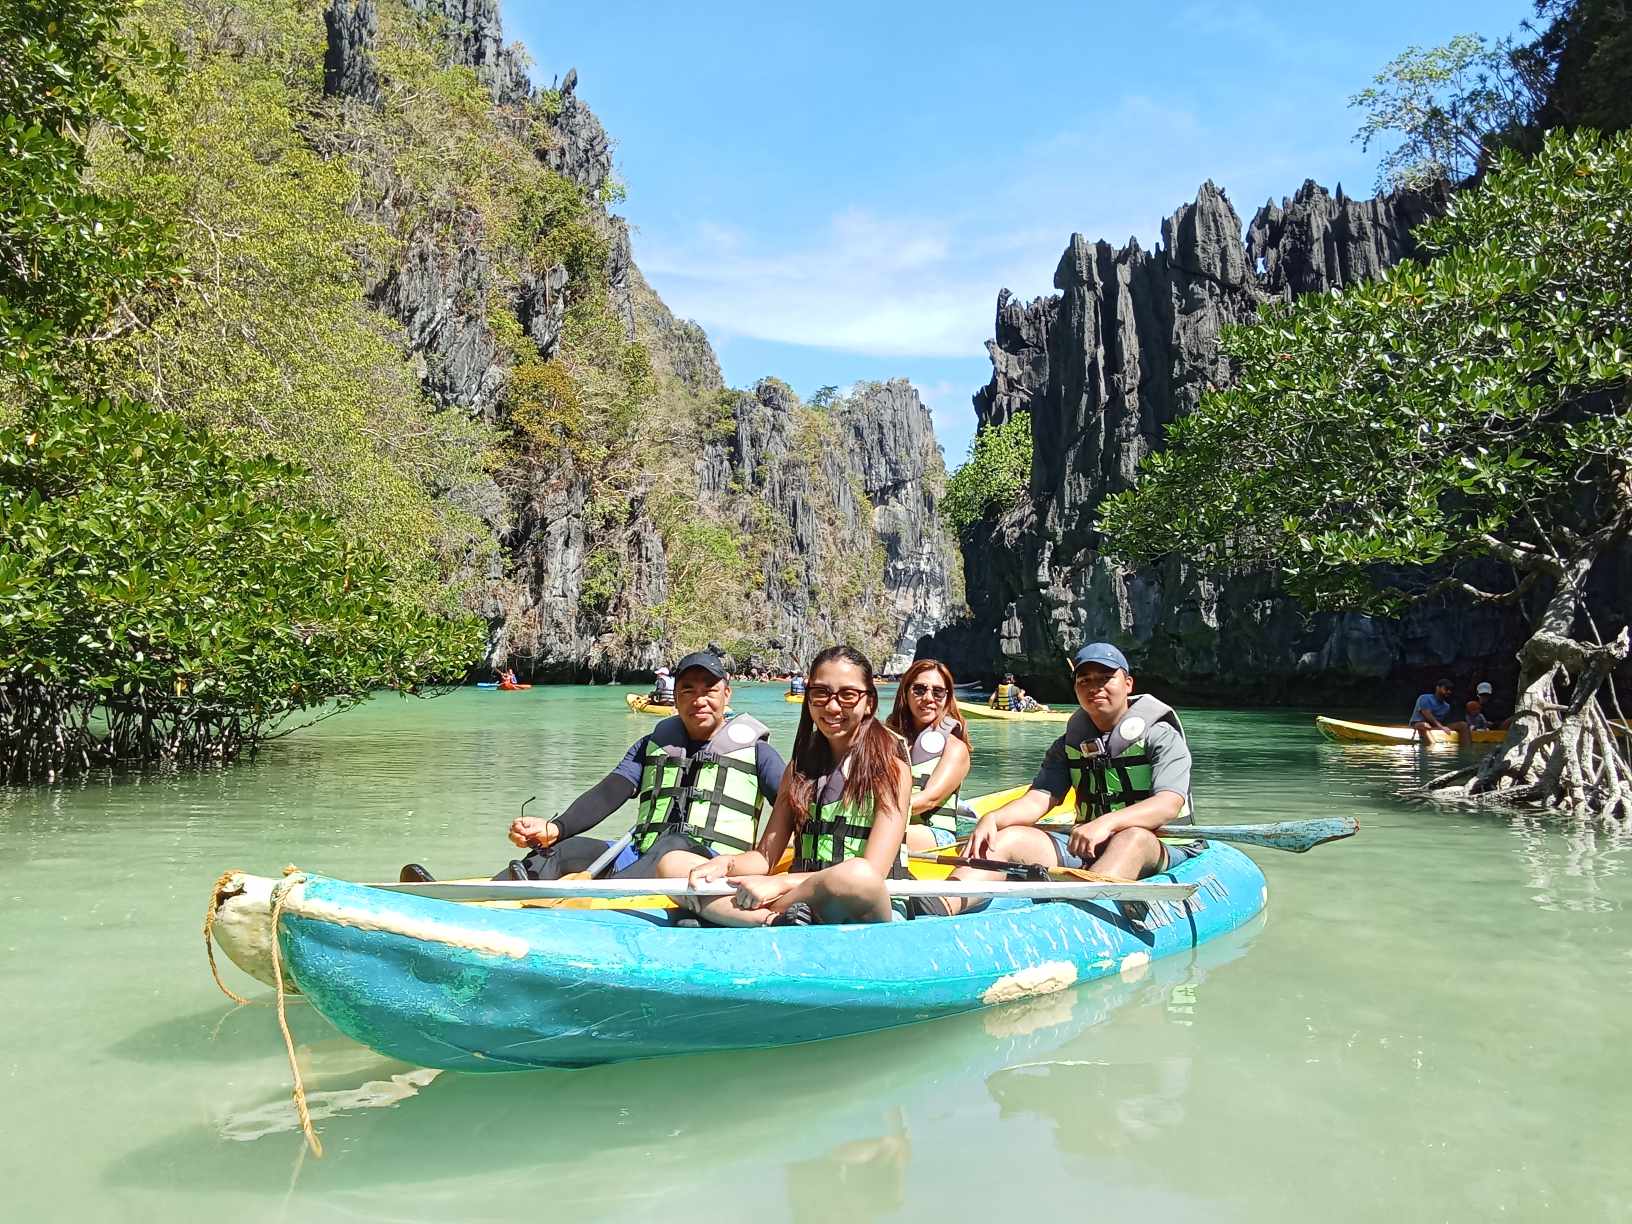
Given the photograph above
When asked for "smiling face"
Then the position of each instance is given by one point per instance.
(1103, 692)
(701, 699)
(928, 694)
(839, 698)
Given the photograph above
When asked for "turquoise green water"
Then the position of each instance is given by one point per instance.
(1429, 1023)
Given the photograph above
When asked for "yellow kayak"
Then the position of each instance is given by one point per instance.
(974, 710)
(640, 703)
(1376, 733)
(794, 698)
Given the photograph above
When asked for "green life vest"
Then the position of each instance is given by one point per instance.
(1120, 772)
(837, 827)
(712, 795)
(926, 755)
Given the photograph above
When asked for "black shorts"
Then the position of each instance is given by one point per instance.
(565, 857)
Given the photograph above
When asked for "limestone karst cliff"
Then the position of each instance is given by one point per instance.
(743, 517)
(1126, 346)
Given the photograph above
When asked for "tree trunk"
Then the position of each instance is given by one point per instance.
(1561, 752)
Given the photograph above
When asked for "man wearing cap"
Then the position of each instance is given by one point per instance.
(1433, 710)
(702, 780)
(1127, 758)
(663, 688)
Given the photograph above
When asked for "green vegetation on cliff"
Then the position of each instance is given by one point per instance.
(993, 476)
(1472, 414)
(162, 597)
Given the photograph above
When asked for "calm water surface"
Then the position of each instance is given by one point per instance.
(1429, 1022)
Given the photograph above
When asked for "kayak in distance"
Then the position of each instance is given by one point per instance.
(1345, 732)
(503, 688)
(475, 988)
(641, 703)
(978, 710)
(794, 698)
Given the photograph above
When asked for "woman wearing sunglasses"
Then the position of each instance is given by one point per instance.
(926, 715)
(843, 803)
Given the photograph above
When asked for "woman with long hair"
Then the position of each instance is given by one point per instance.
(926, 715)
(843, 804)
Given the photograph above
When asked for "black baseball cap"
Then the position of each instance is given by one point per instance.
(707, 660)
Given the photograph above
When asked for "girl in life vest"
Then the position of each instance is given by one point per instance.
(926, 716)
(843, 805)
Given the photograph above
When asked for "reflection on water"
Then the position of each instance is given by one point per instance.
(1572, 867)
(859, 1179)
(1427, 1024)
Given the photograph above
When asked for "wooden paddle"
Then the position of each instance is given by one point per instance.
(508, 890)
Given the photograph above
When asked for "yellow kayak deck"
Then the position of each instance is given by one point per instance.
(1345, 732)
(1041, 716)
(642, 704)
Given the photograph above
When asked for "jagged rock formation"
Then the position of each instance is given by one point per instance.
(889, 436)
(474, 34)
(837, 512)
(841, 511)
(348, 61)
(1128, 345)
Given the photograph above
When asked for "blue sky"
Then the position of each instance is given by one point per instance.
(837, 191)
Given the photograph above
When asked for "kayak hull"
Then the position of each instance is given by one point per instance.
(641, 704)
(978, 710)
(1345, 732)
(794, 698)
(475, 989)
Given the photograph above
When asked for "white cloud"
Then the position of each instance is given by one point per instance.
(923, 283)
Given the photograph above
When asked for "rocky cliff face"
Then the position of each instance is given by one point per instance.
(835, 512)
(1128, 345)
(841, 510)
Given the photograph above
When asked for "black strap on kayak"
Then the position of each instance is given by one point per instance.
(1014, 871)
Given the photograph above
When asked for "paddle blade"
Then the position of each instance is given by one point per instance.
(1298, 836)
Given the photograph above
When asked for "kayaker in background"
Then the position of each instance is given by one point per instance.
(1476, 717)
(507, 679)
(663, 687)
(1433, 710)
(1006, 695)
(843, 803)
(702, 781)
(1127, 757)
(1486, 693)
(926, 715)
(796, 685)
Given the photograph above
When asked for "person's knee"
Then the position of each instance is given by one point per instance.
(678, 863)
(851, 880)
(1139, 844)
(1007, 842)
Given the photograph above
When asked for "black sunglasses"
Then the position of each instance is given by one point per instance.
(929, 690)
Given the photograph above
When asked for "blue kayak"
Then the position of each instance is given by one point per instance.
(479, 989)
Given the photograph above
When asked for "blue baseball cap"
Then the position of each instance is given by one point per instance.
(1102, 653)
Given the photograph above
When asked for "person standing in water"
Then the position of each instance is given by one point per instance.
(926, 715)
(843, 803)
(1128, 760)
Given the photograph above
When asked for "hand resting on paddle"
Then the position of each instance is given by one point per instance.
(760, 891)
(755, 890)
